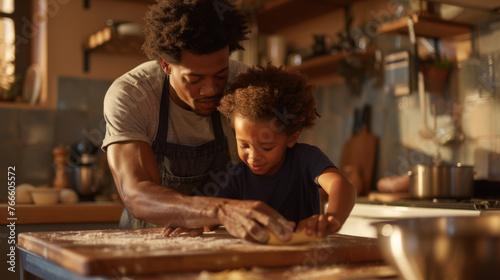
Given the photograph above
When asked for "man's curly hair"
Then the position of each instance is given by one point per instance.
(196, 26)
(271, 93)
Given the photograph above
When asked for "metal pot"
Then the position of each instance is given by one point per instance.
(459, 248)
(441, 181)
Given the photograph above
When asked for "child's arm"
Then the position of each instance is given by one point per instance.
(341, 193)
(341, 199)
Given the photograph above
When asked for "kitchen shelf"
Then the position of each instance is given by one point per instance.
(82, 212)
(279, 14)
(425, 26)
(86, 3)
(23, 105)
(317, 68)
(109, 41)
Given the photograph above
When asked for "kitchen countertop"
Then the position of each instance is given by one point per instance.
(82, 212)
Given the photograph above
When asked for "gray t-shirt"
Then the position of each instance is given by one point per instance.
(132, 108)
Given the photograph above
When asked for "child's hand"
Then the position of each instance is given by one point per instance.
(320, 225)
(174, 232)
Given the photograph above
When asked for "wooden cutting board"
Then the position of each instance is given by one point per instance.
(145, 252)
(358, 160)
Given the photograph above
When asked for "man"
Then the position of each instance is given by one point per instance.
(167, 146)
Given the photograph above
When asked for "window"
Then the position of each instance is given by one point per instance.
(14, 54)
(7, 49)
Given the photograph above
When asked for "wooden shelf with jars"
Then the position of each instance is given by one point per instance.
(109, 41)
(277, 15)
(324, 69)
(425, 26)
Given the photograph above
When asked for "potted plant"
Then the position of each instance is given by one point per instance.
(436, 71)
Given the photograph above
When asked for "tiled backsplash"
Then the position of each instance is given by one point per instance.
(29, 135)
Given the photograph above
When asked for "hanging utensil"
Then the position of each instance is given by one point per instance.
(437, 156)
(425, 131)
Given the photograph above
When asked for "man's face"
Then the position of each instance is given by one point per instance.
(198, 81)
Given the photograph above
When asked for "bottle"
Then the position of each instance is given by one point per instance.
(60, 179)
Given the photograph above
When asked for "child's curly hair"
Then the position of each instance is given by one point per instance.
(268, 93)
(196, 26)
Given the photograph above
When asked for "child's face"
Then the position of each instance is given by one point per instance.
(262, 145)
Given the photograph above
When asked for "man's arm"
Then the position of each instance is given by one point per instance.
(137, 178)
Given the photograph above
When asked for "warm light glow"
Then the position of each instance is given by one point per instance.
(7, 53)
(7, 6)
(106, 34)
(99, 38)
(92, 42)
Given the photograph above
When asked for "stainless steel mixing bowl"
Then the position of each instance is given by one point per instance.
(442, 248)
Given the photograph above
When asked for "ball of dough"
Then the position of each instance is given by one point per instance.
(68, 196)
(23, 193)
(297, 238)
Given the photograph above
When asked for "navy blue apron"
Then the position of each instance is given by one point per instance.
(191, 170)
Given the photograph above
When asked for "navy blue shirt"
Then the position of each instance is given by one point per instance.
(292, 190)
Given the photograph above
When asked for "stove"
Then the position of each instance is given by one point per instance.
(440, 203)
(366, 212)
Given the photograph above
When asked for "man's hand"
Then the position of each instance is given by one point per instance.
(320, 225)
(247, 219)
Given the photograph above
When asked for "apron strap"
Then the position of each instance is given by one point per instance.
(217, 125)
(161, 133)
